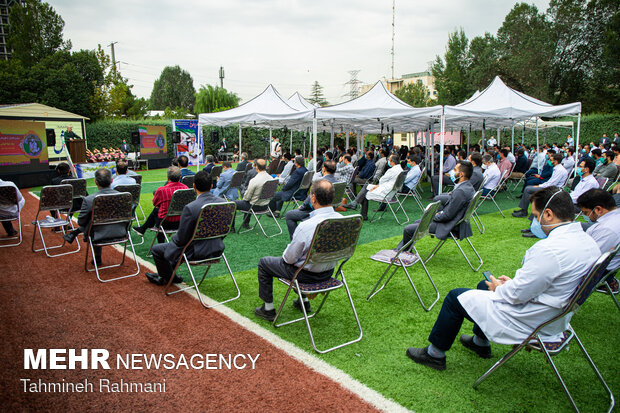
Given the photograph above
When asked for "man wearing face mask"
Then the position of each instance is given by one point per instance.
(599, 208)
(607, 169)
(586, 181)
(507, 310)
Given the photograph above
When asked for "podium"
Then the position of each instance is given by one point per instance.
(77, 150)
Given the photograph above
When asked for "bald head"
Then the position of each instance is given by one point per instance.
(322, 193)
(261, 164)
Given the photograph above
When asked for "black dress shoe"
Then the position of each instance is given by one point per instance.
(528, 235)
(268, 315)
(138, 230)
(482, 351)
(519, 214)
(98, 261)
(421, 356)
(12, 233)
(523, 231)
(155, 278)
(177, 279)
(365, 217)
(298, 306)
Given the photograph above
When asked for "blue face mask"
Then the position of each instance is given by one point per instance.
(537, 230)
(578, 171)
(452, 176)
(550, 163)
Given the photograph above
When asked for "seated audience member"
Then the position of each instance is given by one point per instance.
(223, 182)
(166, 255)
(288, 168)
(242, 166)
(380, 165)
(210, 164)
(558, 178)
(161, 202)
(365, 172)
(103, 180)
(183, 164)
(11, 211)
(64, 172)
(598, 206)
(491, 172)
(321, 199)
(448, 164)
(616, 151)
(533, 177)
(597, 154)
(121, 175)
(252, 194)
(507, 310)
(520, 165)
(453, 206)
(615, 192)
(477, 175)
(504, 164)
(248, 177)
(295, 216)
(569, 161)
(413, 174)
(587, 180)
(606, 169)
(379, 191)
(289, 188)
(344, 169)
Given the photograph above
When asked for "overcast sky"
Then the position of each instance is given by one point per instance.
(289, 43)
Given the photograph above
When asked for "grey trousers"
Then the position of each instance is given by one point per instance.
(293, 218)
(525, 198)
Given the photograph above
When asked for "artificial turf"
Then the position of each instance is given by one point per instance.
(394, 320)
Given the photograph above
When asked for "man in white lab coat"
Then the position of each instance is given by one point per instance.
(507, 310)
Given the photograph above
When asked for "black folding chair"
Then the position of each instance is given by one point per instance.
(215, 221)
(180, 198)
(53, 198)
(339, 188)
(134, 190)
(281, 166)
(413, 193)
(111, 209)
(306, 182)
(8, 199)
(334, 241)
(549, 349)
(236, 182)
(188, 181)
(267, 193)
(79, 193)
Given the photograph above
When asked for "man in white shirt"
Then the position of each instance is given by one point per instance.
(598, 206)
(569, 161)
(321, 199)
(276, 148)
(506, 310)
(121, 175)
(7, 212)
(585, 171)
(288, 168)
(558, 179)
(413, 175)
(491, 173)
(492, 142)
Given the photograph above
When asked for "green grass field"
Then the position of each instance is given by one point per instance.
(394, 320)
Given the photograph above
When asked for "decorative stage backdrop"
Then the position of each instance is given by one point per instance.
(22, 146)
(191, 140)
(60, 127)
(152, 142)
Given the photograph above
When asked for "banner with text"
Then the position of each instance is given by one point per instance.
(22, 146)
(152, 142)
(191, 140)
(87, 170)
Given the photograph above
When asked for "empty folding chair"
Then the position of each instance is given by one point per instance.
(53, 198)
(306, 182)
(110, 209)
(267, 192)
(519, 180)
(464, 221)
(79, 193)
(391, 199)
(493, 193)
(236, 182)
(549, 349)
(413, 193)
(248, 167)
(407, 256)
(215, 172)
(334, 240)
(215, 221)
(339, 188)
(8, 199)
(188, 181)
(475, 217)
(138, 179)
(134, 190)
(180, 198)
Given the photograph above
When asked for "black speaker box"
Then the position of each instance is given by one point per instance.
(135, 138)
(215, 137)
(50, 135)
(176, 137)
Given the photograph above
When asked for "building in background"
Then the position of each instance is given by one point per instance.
(425, 78)
(5, 11)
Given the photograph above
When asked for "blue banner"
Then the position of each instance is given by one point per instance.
(191, 140)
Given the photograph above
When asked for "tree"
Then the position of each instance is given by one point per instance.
(415, 94)
(451, 79)
(316, 95)
(175, 87)
(483, 61)
(35, 32)
(214, 99)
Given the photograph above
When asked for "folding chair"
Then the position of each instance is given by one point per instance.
(391, 198)
(138, 179)
(248, 167)
(339, 188)
(424, 174)
(53, 198)
(475, 217)
(216, 171)
(549, 349)
(188, 181)
(134, 190)
(334, 240)
(236, 182)
(465, 219)
(110, 209)
(8, 199)
(413, 193)
(601, 182)
(306, 182)
(349, 189)
(267, 192)
(180, 198)
(281, 166)
(493, 193)
(404, 257)
(273, 166)
(609, 292)
(215, 221)
(519, 180)
(79, 192)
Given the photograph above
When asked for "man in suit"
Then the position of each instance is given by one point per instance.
(454, 206)
(223, 182)
(166, 255)
(477, 175)
(125, 148)
(381, 165)
(183, 164)
(252, 194)
(365, 172)
(103, 180)
(242, 166)
(605, 140)
(295, 216)
(209, 164)
(289, 189)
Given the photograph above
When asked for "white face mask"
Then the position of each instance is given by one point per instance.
(484, 166)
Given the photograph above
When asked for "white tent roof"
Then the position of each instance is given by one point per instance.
(378, 106)
(296, 101)
(500, 105)
(266, 109)
(542, 124)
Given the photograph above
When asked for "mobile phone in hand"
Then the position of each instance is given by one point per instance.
(487, 275)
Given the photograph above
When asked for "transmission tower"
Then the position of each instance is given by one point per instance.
(354, 85)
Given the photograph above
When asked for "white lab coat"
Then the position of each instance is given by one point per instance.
(551, 270)
(386, 184)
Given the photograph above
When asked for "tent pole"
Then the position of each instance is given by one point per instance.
(291, 145)
(468, 133)
(523, 134)
(577, 144)
(331, 137)
(240, 151)
(498, 138)
(432, 148)
(512, 144)
(346, 140)
(537, 147)
(442, 141)
(483, 142)
(314, 138)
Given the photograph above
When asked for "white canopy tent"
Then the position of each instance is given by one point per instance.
(501, 106)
